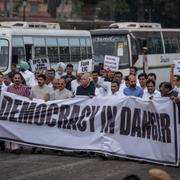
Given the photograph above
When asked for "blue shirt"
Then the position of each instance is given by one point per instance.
(137, 91)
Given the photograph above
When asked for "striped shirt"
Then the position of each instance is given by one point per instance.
(20, 90)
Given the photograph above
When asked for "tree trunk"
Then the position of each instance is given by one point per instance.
(140, 10)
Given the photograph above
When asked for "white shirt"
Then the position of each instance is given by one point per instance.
(29, 78)
(40, 92)
(147, 95)
(58, 95)
(74, 85)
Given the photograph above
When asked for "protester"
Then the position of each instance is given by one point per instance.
(151, 76)
(7, 80)
(142, 80)
(110, 75)
(87, 87)
(19, 89)
(99, 68)
(115, 89)
(151, 91)
(61, 92)
(126, 81)
(118, 77)
(133, 70)
(13, 70)
(60, 71)
(176, 83)
(103, 74)
(133, 89)
(75, 83)
(69, 77)
(50, 77)
(95, 78)
(27, 75)
(36, 74)
(41, 91)
(55, 84)
(166, 90)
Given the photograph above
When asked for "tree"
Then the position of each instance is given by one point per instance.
(52, 5)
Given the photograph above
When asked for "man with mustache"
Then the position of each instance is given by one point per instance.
(133, 89)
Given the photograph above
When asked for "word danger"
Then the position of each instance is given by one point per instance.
(131, 122)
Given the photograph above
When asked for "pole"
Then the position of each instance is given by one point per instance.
(11, 8)
(62, 9)
(145, 60)
(24, 10)
(150, 11)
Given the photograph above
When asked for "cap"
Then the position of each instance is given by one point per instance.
(24, 64)
(61, 64)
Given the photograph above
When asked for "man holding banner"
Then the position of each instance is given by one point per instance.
(22, 90)
(87, 87)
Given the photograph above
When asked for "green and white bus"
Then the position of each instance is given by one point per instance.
(126, 40)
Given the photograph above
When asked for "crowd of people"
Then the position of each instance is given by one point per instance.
(61, 83)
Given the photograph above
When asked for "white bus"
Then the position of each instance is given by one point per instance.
(126, 41)
(22, 40)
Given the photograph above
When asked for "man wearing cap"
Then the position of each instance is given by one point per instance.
(27, 75)
(61, 67)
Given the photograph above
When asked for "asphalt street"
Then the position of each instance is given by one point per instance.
(57, 166)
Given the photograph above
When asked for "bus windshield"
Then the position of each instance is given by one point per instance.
(113, 45)
(4, 54)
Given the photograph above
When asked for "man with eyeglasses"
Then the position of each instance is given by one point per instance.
(61, 92)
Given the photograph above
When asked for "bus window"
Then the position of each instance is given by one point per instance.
(83, 48)
(89, 49)
(4, 54)
(39, 47)
(52, 49)
(172, 45)
(18, 52)
(63, 44)
(114, 45)
(153, 41)
(75, 49)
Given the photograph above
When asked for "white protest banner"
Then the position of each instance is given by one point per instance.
(85, 66)
(40, 64)
(111, 62)
(176, 67)
(126, 127)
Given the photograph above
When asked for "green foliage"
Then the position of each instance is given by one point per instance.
(165, 12)
(77, 7)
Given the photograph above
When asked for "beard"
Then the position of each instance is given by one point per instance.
(133, 85)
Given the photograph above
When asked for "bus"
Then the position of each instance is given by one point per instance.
(28, 40)
(126, 40)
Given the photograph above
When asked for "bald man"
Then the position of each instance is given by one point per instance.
(87, 87)
(133, 89)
